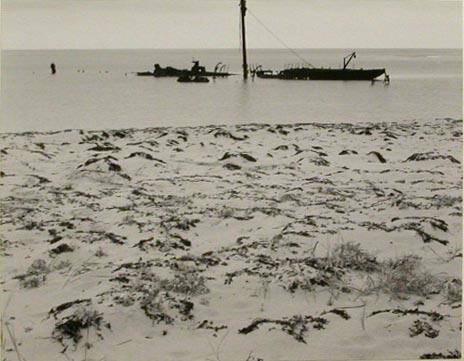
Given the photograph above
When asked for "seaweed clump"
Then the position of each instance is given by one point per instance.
(70, 327)
(295, 326)
(449, 355)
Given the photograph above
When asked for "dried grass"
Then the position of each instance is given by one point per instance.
(188, 283)
(35, 275)
(400, 277)
(407, 276)
(71, 327)
(350, 256)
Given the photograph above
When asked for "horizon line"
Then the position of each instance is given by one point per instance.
(237, 49)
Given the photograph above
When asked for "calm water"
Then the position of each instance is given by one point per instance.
(425, 84)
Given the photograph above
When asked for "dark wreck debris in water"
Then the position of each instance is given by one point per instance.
(192, 79)
(196, 71)
(310, 72)
(323, 74)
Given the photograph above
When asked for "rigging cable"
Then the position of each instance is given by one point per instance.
(294, 52)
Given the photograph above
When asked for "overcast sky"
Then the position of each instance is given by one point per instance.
(114, 24)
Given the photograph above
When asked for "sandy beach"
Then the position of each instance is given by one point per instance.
(248, 242)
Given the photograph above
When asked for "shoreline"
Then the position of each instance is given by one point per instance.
(359, 124)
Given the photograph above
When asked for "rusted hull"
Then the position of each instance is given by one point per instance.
(324, 74)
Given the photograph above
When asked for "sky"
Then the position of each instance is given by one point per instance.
(137, 24)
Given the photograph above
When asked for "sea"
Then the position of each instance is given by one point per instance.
(98, 89)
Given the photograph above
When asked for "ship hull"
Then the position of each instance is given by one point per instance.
(330, 74)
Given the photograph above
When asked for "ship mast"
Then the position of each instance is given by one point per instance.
(243, 13)
(349, 57)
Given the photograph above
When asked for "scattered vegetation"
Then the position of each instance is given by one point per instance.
(100, 252)
(70, 327)
(64, 306)
(342, 313)
(38, 266)
(399, 278)
(162, 299)
(453, 291)
(434, 316)
(350, 256)
(62, 248)
(62, 265)
(32, 281)
(449, 355)
(422, 327)
(209, 325)
(407, 276)
(285, 188)
(35, 275)
(252, 357)
(188, 283)
(152, 305)
(295, 326)
(431, 156)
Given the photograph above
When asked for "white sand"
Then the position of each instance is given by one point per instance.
(291, 202)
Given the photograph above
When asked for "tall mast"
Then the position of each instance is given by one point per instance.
(243, 13)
